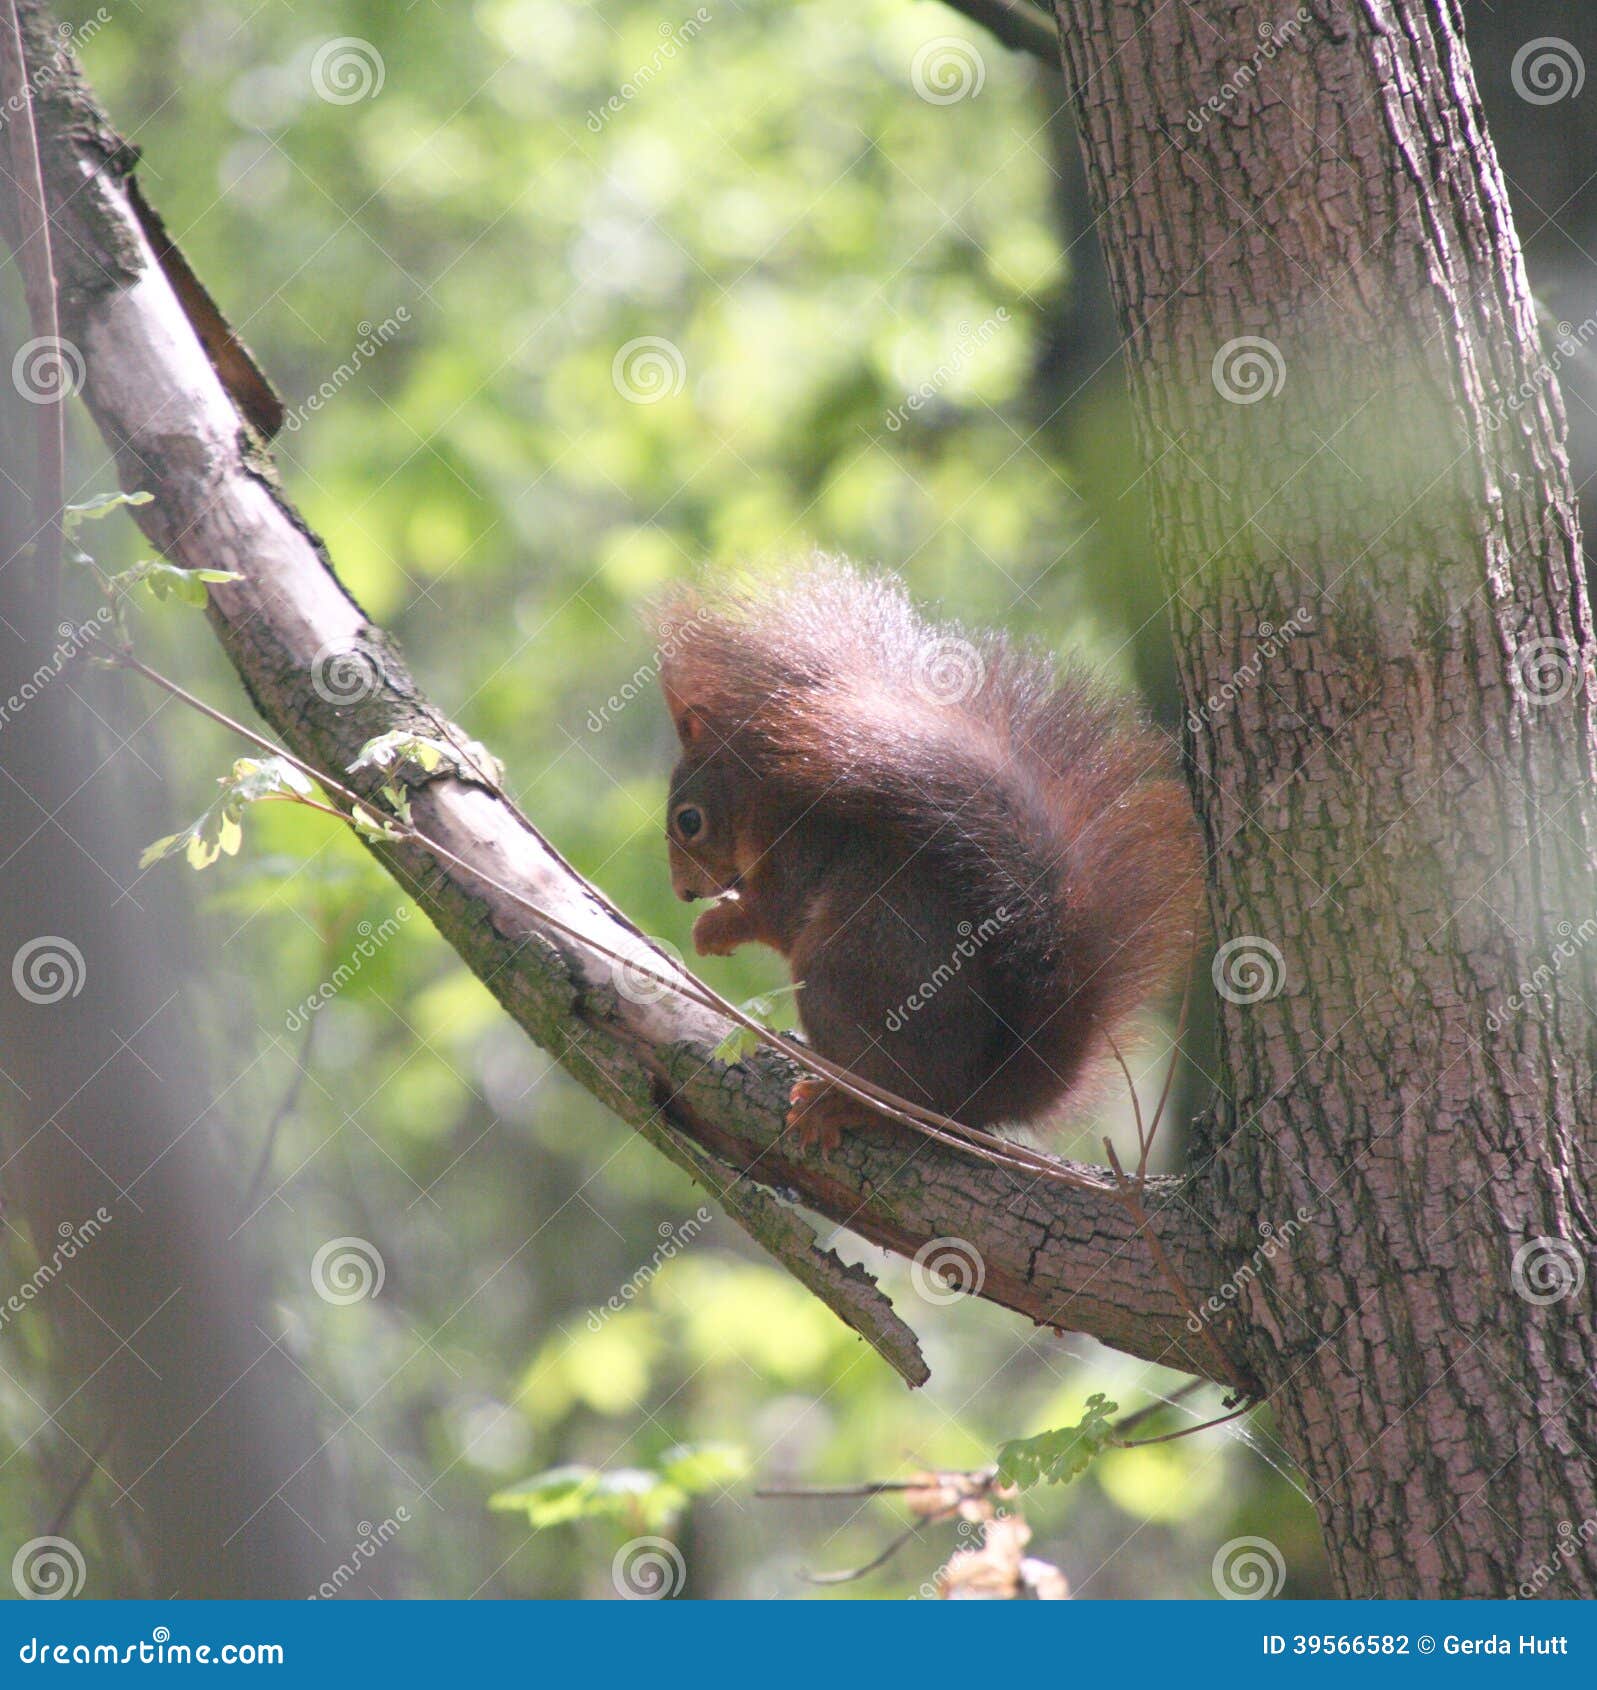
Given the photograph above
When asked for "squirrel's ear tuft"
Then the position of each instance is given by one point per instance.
(691, 725)
(688, 719)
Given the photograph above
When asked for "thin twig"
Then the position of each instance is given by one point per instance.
(280, 1114)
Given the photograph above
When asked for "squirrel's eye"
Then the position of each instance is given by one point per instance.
(690, 821)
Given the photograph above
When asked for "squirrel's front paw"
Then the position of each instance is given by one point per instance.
(818, 1115)
(721, 929)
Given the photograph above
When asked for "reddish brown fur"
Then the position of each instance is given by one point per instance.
(867, 804)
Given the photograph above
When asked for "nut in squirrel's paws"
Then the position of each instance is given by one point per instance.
(817, 1116)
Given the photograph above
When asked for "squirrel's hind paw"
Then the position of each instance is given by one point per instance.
(817, 1115)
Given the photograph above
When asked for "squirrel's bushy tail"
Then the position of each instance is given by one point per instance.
(1029, 790)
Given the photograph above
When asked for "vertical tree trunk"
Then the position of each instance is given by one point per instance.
(1354, 438)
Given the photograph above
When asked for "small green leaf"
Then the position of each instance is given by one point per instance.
(369, 825)
(201, 853)
(740, 1042)
(1057, 1457)
(229, 835)
(91, 510)
(212, 576)
(166, 846)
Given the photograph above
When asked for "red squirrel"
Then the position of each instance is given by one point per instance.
(974, 866)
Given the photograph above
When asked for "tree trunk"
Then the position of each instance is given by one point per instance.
(1355, 439)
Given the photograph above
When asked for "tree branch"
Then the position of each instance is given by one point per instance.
(1016, 23)
(1064, 1258)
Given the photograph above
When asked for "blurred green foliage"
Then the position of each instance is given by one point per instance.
(815, 243)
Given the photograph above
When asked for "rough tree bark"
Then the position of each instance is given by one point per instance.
(1399, 798)
(1390, 806)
